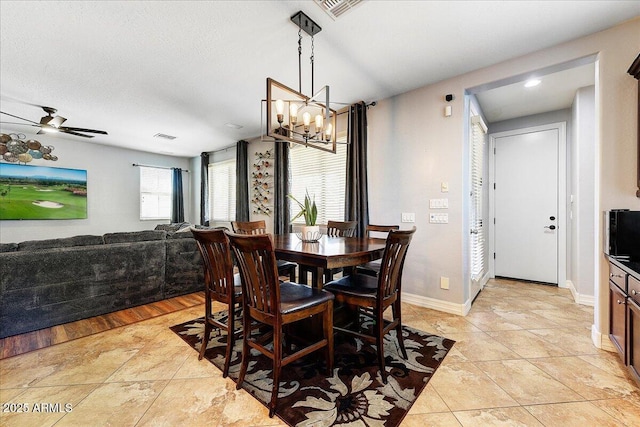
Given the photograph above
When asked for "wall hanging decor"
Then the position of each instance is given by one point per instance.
(262, 183)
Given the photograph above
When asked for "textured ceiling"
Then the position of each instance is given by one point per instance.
(138, 68)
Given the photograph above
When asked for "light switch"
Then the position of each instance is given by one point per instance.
(408, 217)
(444, 187)
(439, 218)
(439, 203)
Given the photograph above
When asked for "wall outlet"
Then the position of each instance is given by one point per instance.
(444, 283)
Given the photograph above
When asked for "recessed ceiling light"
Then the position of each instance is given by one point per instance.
(233, 126)
(532, 83)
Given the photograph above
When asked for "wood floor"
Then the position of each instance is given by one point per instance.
(19, 344)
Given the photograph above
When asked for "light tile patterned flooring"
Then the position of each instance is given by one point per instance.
(523, 357)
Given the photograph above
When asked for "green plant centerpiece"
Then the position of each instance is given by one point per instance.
(310, 232)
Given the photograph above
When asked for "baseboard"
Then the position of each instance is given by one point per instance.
(436, 304)
(602, 341)
(580, 298)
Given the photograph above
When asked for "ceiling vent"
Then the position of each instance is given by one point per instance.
(164, 136)
(337, 8)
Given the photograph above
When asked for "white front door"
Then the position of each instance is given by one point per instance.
(526, 205)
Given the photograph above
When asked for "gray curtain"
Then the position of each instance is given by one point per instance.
(204, 188)
(242, 181)
(357, 197)
(177, 199)
(281, 212)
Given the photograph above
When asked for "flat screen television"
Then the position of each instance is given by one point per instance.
(42, 192)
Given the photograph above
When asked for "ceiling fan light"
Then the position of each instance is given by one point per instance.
(57, 121)
(49, 129)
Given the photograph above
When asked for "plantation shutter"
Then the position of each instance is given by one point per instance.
(222, 190)
(155, 193)
(478, 137)
(323, 175)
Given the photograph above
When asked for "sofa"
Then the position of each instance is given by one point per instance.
(50, 282)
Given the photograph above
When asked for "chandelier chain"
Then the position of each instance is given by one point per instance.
(312, 58)
(300, 59)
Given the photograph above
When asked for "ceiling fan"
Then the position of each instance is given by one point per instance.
(52, 124)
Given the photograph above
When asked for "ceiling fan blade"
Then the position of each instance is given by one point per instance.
(65, 128)
(17, 117)
(21, 124)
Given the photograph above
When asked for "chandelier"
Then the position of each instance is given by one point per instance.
(15, 149)
(295, 117)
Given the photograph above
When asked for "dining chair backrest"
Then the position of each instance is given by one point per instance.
(395, 252)
(258, 269)
(249, 227)
(341, 228)
(218, 265)
(377, 230)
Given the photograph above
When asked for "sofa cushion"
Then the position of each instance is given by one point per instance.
(8, 247)
(31, 245)
(135, 236)
(174, 226)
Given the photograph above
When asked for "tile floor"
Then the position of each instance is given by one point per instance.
(523, 357)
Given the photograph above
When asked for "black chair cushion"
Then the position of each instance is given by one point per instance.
(371, 268)
(284, 265)
(295, 297)
(359, 285)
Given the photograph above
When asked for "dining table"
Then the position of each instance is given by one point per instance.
(327, 253)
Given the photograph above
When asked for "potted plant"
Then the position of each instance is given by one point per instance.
(310, 231)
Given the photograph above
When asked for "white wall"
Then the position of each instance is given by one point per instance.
(583, 186)
(113, 191)
(413, 148)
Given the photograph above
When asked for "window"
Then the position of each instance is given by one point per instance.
(222, 190)
(155, 193)
(478, 136)
(323, 175)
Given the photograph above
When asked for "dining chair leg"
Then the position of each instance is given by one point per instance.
(277, 364)
(205, 338)
(327, 318)
(230, 340)
(398, 315)
(246, 332)
(380, 347)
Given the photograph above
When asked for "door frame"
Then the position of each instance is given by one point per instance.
(563, 221)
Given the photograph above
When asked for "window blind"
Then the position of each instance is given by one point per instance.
(155, 193)
(478, 137)
(323, 175)
(222, 190)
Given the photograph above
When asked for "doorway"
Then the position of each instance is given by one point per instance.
(527, 227)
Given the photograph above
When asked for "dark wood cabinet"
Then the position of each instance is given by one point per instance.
(624, 312)
(618, 319)
(633, 338)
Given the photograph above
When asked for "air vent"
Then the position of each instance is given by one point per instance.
(337, 8)
(164, 136)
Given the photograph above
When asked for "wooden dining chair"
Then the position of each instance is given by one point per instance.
(285, 268)
(375, 295)
(277, 305)
(220, 285)
(334, 229)
(372, 268)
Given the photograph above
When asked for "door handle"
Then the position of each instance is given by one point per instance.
(550, 227)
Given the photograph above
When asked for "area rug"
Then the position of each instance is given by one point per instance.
(353, 395)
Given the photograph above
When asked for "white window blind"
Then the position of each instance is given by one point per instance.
(478, 137)
(323, 175)
(222, 190)
(155, 193)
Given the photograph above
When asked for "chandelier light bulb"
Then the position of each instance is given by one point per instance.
(293, 114)
(306, 119)
(280, 110)
(327, 132)
(319, 123)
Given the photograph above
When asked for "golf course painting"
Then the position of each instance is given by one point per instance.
(41, 192)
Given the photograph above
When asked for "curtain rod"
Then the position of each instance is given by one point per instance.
(157, 167)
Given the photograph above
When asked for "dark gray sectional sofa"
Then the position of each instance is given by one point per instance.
(49, 282)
